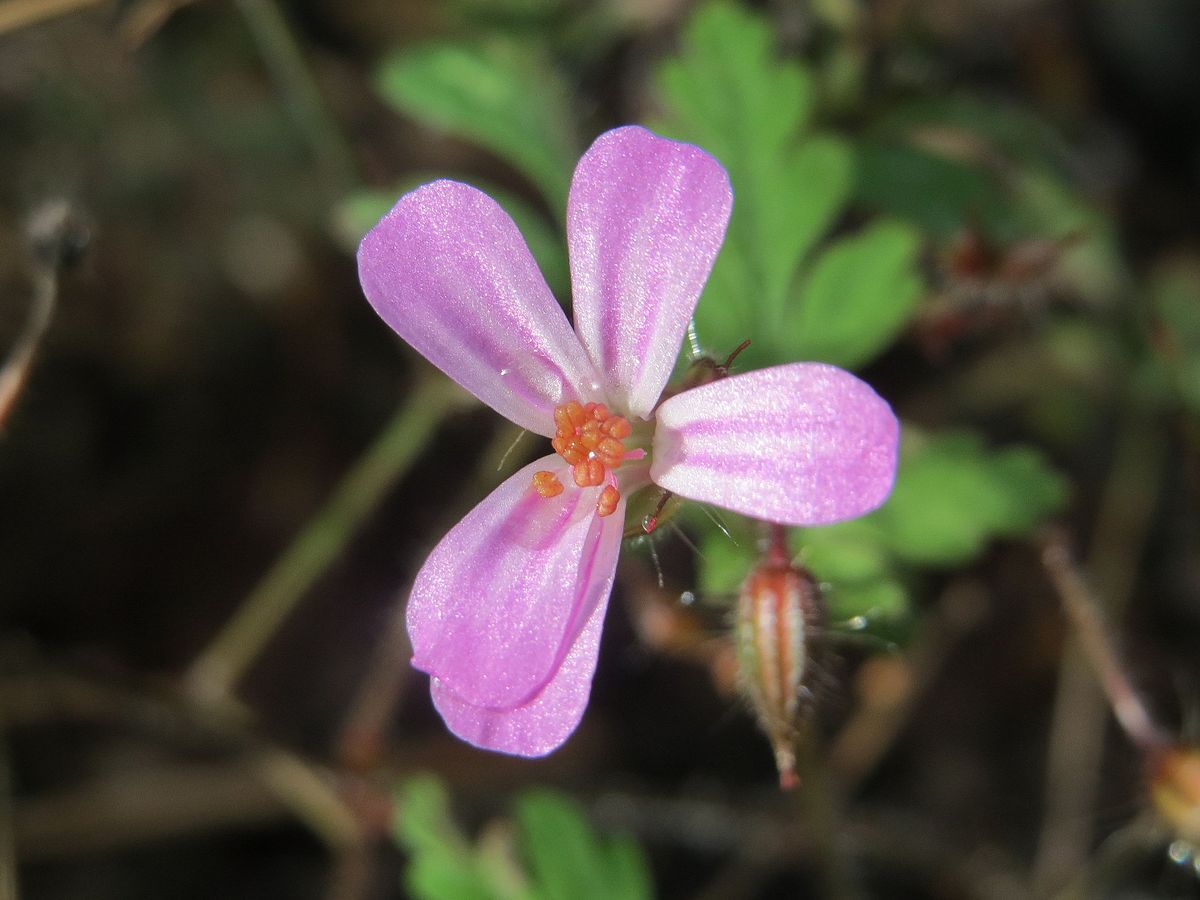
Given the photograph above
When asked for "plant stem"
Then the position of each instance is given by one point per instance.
(15, 14)
(219, 667)
(1084, 611)
(8, 851)
(284, 59)
(1077, 726)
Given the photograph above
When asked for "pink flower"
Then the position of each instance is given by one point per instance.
(505, 615)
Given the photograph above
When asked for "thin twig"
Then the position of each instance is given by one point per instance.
(285, 60)
(15, 373)
(143, 20)
(821, 804)
(57, 237)
(1077, 726)
(219, 667)
(156, 802)
(360, 741)
(259, 782)
(8, 847)
(1084, 611)
(15, 14)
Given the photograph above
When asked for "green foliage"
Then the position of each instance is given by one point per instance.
(723, 562)
(953, 495)
(729, 92)
(567, 859)
(505, 95)
(942, 162)
(931, 191)
(563, 857)
(443, 866)
(861, 291)
(1175, 301)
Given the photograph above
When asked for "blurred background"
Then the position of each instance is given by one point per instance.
(219, 471)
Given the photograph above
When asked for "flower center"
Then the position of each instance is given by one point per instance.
(589, 438)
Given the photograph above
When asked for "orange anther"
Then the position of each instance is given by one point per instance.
(576, 413)
(562, 418)
(589, 473)
(547, 484)
(606, 503)
(610, 452)
(617, 427)
(588, 437)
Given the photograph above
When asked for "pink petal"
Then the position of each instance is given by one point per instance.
(450, 272)
(544, 722)
(503, 596)
(645, 219)
(802, 444)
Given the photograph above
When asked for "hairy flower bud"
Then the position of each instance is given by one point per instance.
(778, 608)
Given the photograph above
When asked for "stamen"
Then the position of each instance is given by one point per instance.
(589, 473)
(547, 484)
(617, 427)
(588, 437)
(607, 502)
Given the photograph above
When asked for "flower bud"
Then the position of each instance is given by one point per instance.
(778, 608)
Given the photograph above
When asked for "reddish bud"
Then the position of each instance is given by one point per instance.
(778, 607)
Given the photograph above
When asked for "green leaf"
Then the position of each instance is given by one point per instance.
(422, 820)
(358, 212)
(854, 566)
(1175, 300)
(722, 565)
(439, 876)
(728, 92)
(505, 95)
(803, 192)
(937, 194)
(441, 865)
(627, 870)
(846, 552)
(880, 609)
(568, 861)
(953, 496)
(861, 293)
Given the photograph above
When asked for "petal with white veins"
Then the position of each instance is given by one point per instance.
(645, 219)
(801, 444)
(448, 270)
(504, 596)
(543, 723)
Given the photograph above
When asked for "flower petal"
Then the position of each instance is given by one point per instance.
(645, 219)
(450, 272)
(544, 722)
(505, 594)
(802, 444)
